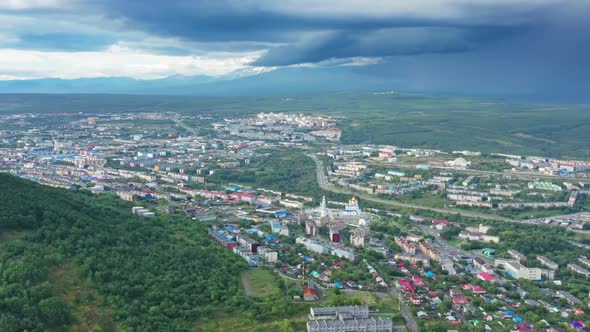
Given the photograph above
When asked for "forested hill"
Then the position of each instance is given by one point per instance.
(71, 260)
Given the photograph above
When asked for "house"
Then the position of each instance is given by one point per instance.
(405, 285)
(440, 222)
(309, 294)
(458, 301)
(351, 284)
(486, 277)
(422, 315)
(478, 290)
(455, 292)
(416, 299)
(417, 281)
(478, 262)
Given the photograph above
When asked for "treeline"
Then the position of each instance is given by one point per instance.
(159, 274)
(283, 170)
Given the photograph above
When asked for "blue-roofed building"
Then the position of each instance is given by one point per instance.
(232, 188)
(396, 173)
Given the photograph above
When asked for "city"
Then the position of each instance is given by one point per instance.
(443, 266)
(295, 166)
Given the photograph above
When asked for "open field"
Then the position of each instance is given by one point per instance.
(260, 283)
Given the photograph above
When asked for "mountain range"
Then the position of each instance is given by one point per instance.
(282, 81)
(287, 81)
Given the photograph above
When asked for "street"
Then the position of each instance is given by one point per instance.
(326, 185)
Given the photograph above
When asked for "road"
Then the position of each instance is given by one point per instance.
(326, 185)
(515, 174)
(176, 119)
(405, 311)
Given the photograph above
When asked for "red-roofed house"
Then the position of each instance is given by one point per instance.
(440, 221)
(405, 285)
(478, 290)
(486, 277)
(416, 299)
(309, 294)
(417, 281)
(460, 301)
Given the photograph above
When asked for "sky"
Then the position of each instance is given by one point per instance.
(496, 45)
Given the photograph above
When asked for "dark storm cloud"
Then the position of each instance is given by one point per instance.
(380, 43)
(436, 45)
(301, 37)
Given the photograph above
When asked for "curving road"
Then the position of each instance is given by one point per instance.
(515, 174)
(326, 185)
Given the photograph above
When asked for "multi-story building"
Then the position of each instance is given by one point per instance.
(346, 319)
(406, 246)
(353, 311)
(514, 269)
(247, 242)
(578, 269)
(351, 325)
(268, 255)
(359, 237)
(517, 255)
(584, 260)
(547, 262)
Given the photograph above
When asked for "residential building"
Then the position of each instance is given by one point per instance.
(584, 260)
(354, 311)
(547, 262)
(359, 237)
(517, 255)
(406, 246)
(378, 324)
(247, 242)
(268, 255)
(578, 269)
(518, 271)
(572, 300)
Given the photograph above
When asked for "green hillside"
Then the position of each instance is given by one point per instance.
(73, 261)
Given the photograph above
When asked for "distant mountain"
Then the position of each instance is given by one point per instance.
(303, 80)
(281, 81)
(118, 85)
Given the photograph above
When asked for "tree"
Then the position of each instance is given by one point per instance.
(53, 311)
